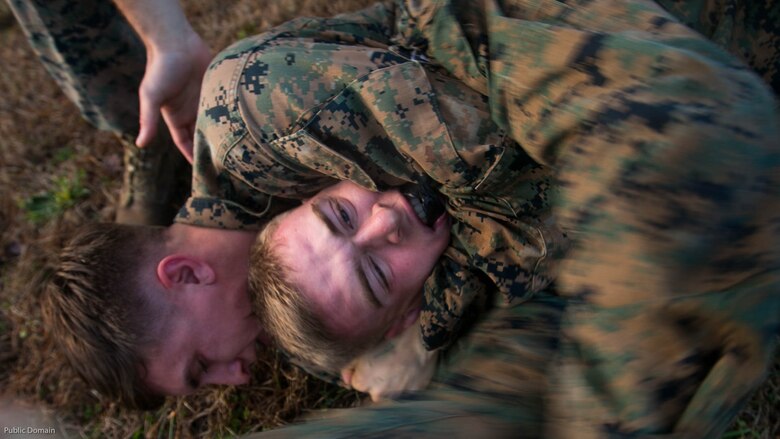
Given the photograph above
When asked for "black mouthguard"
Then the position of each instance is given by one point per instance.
(429, 199)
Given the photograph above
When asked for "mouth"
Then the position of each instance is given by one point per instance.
(425, 202)
(249, 356)
(246, 367)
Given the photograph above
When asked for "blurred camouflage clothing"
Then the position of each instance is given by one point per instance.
(98, 61)
(748, 30)
(654, 150)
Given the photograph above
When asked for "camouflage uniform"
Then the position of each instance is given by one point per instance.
(746, 29)
(98, 61)
(655, 151)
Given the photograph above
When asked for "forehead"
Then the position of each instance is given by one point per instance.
(346, 189)
(305, 244)
(321, 265)
(310, 251)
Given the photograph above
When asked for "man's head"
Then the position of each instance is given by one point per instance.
(343, 271)
(145, 311)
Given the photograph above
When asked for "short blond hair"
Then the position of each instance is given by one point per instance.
(289, 318)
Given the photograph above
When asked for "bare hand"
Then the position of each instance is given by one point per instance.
(398, 365)
(171, 86)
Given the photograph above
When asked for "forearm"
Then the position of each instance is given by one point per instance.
(161, 24)
(176, 58)
(492, 385)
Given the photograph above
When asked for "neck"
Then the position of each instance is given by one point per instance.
(212, 243)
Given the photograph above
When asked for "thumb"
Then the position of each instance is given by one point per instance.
(182, 137)
(148, 119)
(346, 376)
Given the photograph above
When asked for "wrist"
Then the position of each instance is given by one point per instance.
(182, 41)
(161, 24)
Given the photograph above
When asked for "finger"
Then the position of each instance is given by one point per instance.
(358, 380)
(182, 137)
(346, 377)
(149, 118)
(376, 396)
(186, 150)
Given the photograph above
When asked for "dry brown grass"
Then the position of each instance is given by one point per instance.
(43, 143)
(46, 148)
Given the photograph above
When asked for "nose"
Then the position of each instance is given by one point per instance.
(229, 372)
(382, 227)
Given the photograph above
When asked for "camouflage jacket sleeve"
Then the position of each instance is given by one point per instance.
(239, 180)
(665, 150)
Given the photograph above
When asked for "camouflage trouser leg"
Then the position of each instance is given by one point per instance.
(98, 61)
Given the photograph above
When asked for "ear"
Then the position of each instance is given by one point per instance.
(179, 270)
(402, 323)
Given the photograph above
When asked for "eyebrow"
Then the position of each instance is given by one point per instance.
(361, 274)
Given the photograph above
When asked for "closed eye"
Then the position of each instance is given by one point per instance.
(366, 288)
(379, 273)
(342, 214)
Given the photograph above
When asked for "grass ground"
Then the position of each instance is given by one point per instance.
(56, 172)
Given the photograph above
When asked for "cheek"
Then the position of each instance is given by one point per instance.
(427, 256)
(345, 315)
(230, 322)
(411, 269)
(442, 240)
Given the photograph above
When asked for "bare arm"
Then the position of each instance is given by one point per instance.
(176, 60)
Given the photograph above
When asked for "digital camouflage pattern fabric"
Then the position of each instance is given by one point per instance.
(749, 30)
(318, 102)
(92, 53)
(98, 61)
(651, 148)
